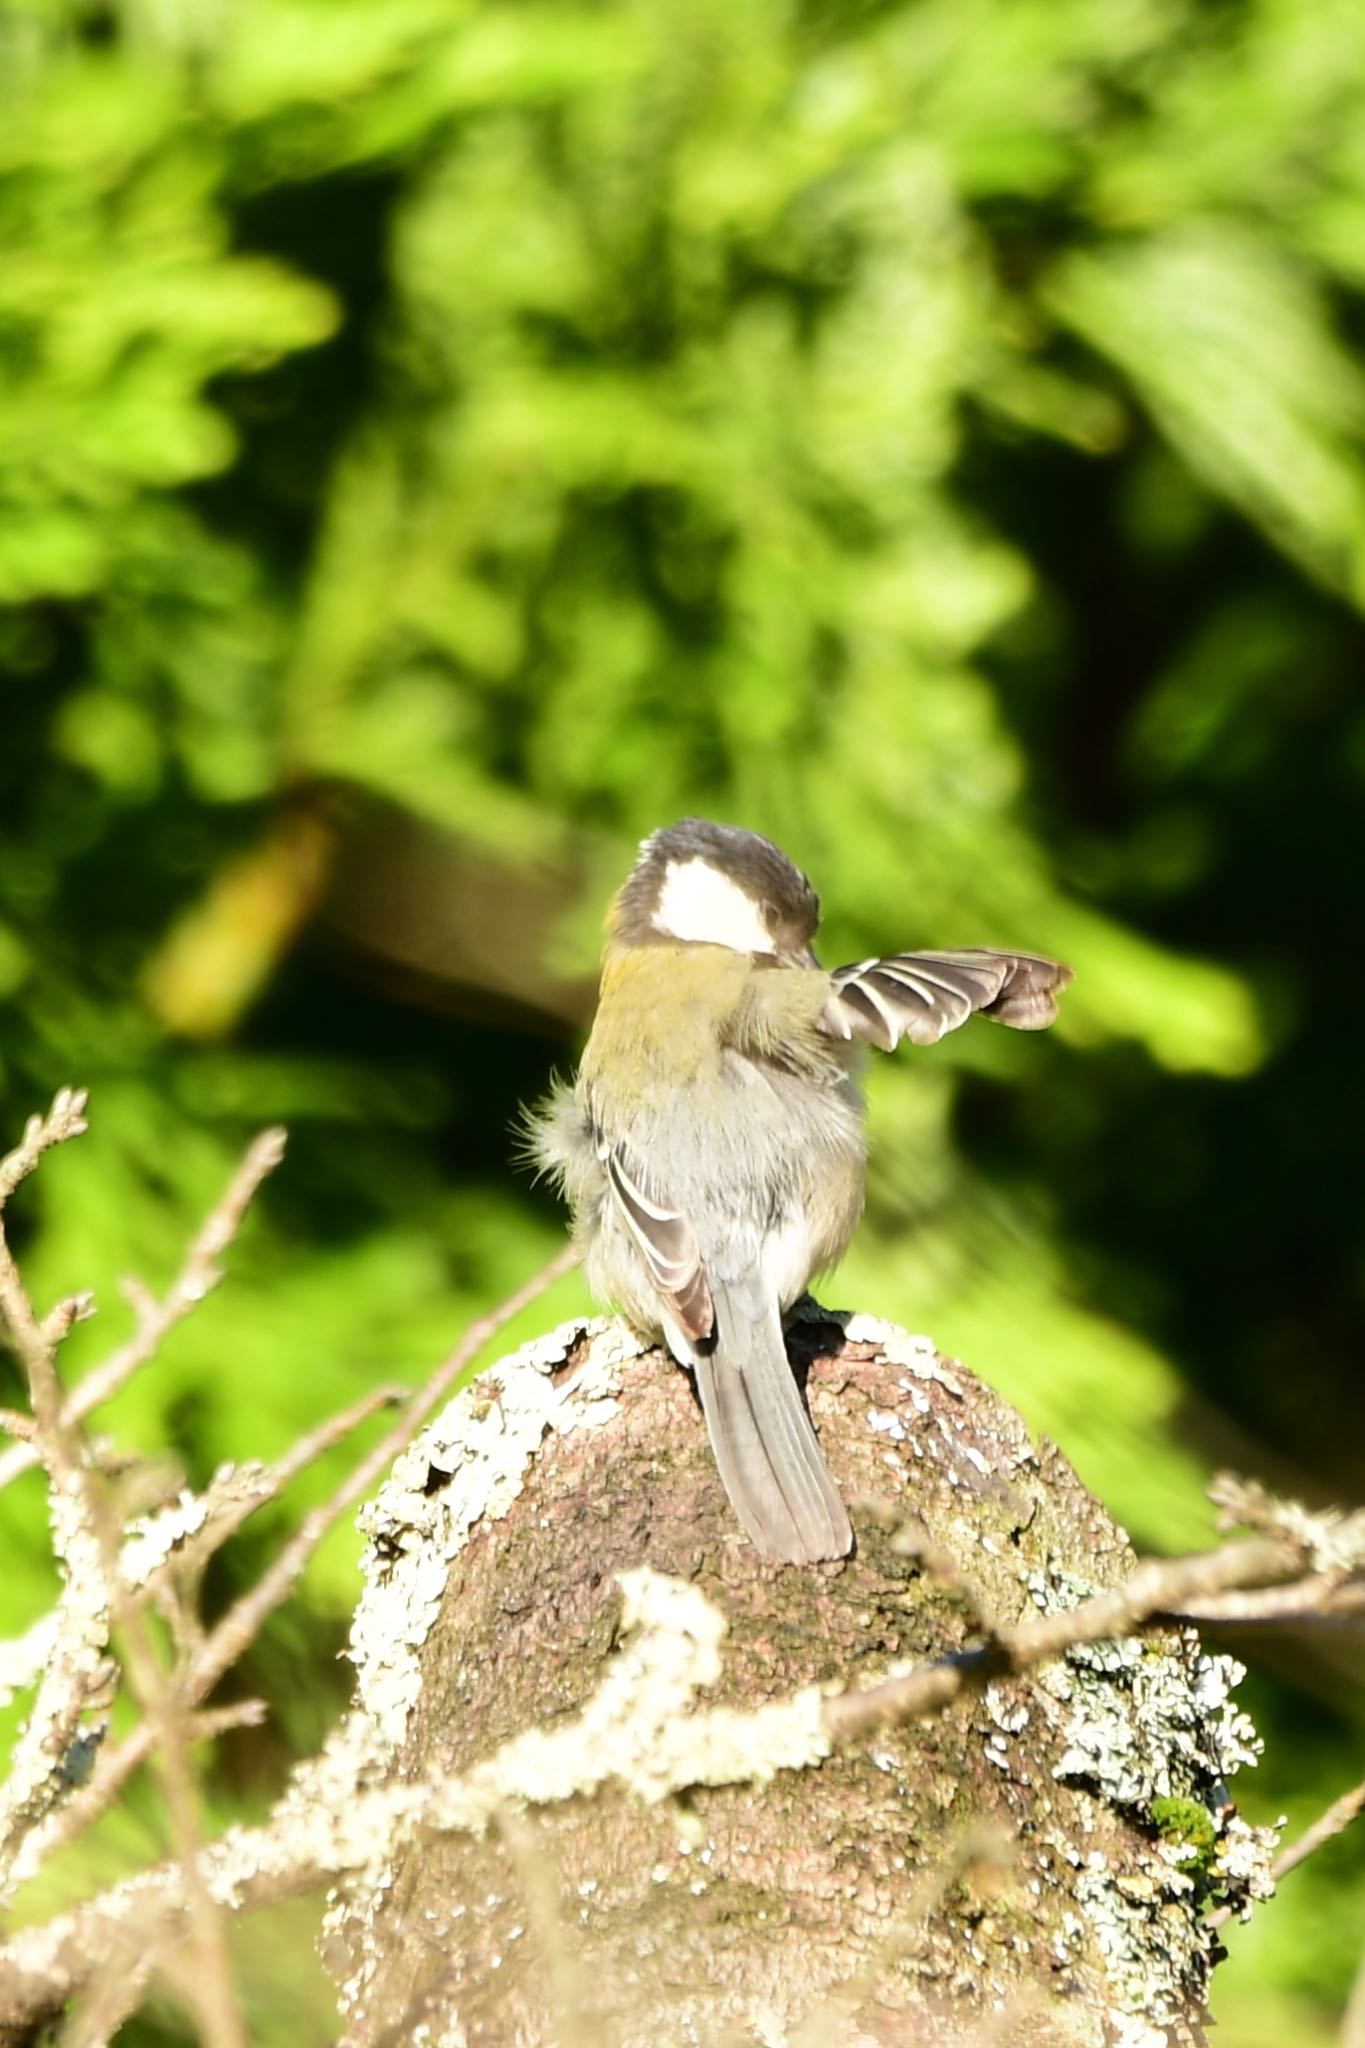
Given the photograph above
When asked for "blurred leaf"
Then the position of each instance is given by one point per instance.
(1230, 346)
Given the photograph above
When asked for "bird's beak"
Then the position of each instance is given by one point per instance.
(800, 956)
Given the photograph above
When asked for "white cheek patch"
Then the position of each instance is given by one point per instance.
(698, 902)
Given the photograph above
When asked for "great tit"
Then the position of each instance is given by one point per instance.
(711, 1147)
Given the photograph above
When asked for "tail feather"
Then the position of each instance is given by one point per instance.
(766, 1452)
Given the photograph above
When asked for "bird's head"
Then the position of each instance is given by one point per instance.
(702, 884)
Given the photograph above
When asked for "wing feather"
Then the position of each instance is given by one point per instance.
(922, 996)
(667, 1243)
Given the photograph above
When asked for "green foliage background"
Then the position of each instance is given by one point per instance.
(440, 442)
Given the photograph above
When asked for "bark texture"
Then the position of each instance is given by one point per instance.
(996, 1873)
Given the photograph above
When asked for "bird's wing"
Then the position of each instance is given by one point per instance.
(767, 1454)
(920, 996)
(666, 1242)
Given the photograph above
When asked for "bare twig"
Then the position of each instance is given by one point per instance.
(197, 1276)
(1333, 1539)
(240, 1625)
(181, 1537)
(86, 1541)
(1331, 1585)
(80, 1633)
(77, 1308)
(216, 1721)
(210, 1984)
(327, 1435)
(1334, 1821)
(65, 1119)
(1159, 1587)
(1323, 1597)
(113, 1997)
(1328, 1825)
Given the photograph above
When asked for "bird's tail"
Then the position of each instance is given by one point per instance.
(766, 1452)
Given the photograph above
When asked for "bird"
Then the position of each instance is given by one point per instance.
(711, 1146)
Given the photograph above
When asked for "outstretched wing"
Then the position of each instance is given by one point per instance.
(666, 1242)
(920, 996)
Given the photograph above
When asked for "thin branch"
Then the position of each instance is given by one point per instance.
(1159, 1587)
(65, 1119)
(1323, 1597)
(327, 1435)
(74, 1668)
(216, 1721)
(114, 1997)
(96, 1598)
(1335, 1538)
(77, 1308)
(198, 1275)
(210, 1982)
(243, 1621)
(181, 1537)
(52, 1442)
(1334, 1821)
(1328, 1825)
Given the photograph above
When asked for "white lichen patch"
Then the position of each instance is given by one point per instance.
(158, 1539)
(1242, 1859)
(1146, 1953)
(1152, 1718)
(155, 1538)
(24, 1658)
(467, 1467)
(638, 1730)
(1006, 1707)
(918, 1355)
(1140, 1721)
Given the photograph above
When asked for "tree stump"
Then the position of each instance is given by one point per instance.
(1006, 1871)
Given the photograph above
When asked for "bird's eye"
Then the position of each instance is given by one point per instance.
(772, 916)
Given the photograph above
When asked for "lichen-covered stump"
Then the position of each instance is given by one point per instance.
(1007, 1871)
